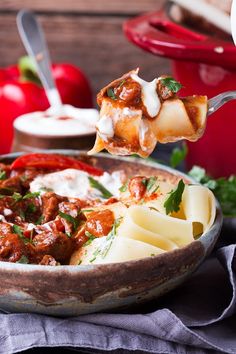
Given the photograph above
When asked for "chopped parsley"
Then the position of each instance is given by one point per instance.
(171, 84)
(172, 203)
(106, 194)
(17, 196)
(70, 219)
(151, 184)
(17, 230)
(178, 155)
(3, 175)
(31, 208)
(90, 236)
(31, 195)
(23, 260)
(111, 93)
(124, 187)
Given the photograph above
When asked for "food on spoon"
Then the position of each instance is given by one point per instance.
(56, 209)
(136, 114)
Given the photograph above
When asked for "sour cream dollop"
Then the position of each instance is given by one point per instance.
(73, 183)
(149, 95)
(63, 121)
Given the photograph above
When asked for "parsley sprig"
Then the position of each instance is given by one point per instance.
(106, 194)
(171, 84)
(172, 203)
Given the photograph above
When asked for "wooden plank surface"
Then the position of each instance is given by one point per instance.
(96, 43)
(87, 6)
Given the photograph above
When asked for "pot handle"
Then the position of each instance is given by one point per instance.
(155, 33)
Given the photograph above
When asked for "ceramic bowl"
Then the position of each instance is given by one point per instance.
(74, 290)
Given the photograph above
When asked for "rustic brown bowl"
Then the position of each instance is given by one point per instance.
(74, 290)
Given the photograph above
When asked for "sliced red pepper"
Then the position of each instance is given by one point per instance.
(53, 161)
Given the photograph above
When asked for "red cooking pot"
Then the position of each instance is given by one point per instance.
(205, 66)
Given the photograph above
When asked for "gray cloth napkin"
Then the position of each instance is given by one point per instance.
(198, 317)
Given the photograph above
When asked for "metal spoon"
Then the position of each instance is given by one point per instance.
(33, 39)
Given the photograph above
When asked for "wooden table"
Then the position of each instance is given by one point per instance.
(85, 32)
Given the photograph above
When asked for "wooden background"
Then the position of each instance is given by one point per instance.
(87, 33)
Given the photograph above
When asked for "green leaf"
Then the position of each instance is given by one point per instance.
(171, 84)
(106, 194)
(31, 195)
(111, 93)
(17, 196)
(178, 155)
(70, 219)
(172, 203)
(23, 260)
(3, 175)
(17, 230)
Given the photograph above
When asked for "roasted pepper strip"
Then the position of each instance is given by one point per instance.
(53, 161)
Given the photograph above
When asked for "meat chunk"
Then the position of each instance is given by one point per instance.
(58, 245)
(48, 260)
(12, 248)
(163, 91)
(99, 223)
(137, 187)
(5, 228)
(50, 205)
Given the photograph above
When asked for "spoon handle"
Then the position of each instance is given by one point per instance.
(33, 39)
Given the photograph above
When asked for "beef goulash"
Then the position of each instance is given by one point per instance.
(135, 115)
(58, 210)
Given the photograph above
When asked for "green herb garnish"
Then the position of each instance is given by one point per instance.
(31, 195)
(151, 183)
(17, 196)
(124, 187)
(17, 230)
(90, 236)
(172, 203)
(106, 194)
(111, 93)
(3, 175)
(70, 219)
(31, 208)
(171, 84)
(23, 260)
(178, 155)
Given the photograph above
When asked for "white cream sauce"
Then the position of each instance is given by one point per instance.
(105, 127)
(73, 183)
(149, 95)
(63, 121)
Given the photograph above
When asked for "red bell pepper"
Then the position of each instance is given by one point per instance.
(53, 161)
(21, 92)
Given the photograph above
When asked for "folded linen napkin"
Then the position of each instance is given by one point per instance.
(198, 317)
